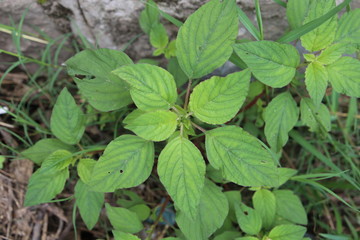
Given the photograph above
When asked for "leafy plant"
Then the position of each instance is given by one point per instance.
(193, 134)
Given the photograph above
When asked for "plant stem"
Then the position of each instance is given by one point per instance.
(187, 94)
(163, 206)
(198, 127)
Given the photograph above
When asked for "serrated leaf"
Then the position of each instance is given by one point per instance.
(155, 126)
(316, 81)
(349, 28)
(264, 203)
(289, 207)
(158, 36)
(123, 219)
(218, 99)
(105, 92)
(324, 35)
(67, 120)
(318, 119)
(181, 169)
(248, 219)
(127, 162)
(152, 87)
(85, 168)
(296, 11)
(280, 117)
(89, 204)
(272, 63)
(149, 17)
(118, 235)
(286, 232)
(212, 211)
(43, 148)
(241, 157)
(344, 75)
(44, 186)
(204, 41)
(133, 115)
(174, 68)
(331, 54)
(58, 160)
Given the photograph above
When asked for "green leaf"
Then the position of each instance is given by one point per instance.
(174, 68)
(218, 99)
(318, 119)
(181, 169)
(2, 160)
(331, 54)
(170, 50)
(248, 219)
(264, 203)
(142, 210)
(89, 204)
(127, 162)
(205, 40)
(67, 120)
(155, 126)
(43, 148)
(85, 168)
(280, 117)
(58, 160)
(152, 87)
(286, 232)
(241, 157)
(316, 81)
(285, 174)
(212, 211)
(349, 28)
(105, 92)
(247, 238)
(296, 11)
(323, 35)
(123, 219)
(272, 63)
(158, 36)
(118, 235)
(133, 115)
(227, 235)
(149, 17)
(344, 75)
(289, 207)
(44, 186)
(233, 197)
(248, 23)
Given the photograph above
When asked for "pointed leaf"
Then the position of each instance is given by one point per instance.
(264, 203)
(204, 41)
(248, 219)
(286, 232)
(85, 168)
(158, 36)
(57, 160)
(127, 162)
(344, 75)
(218, 99)
(332, 53)
(181, 169)
(152, 87)
(272, 63)
(280, 117)
(241, 157)
(89, 204)
(149, 17)
(316, 81)
(154, 126)
(349, 28)
(213, 209)
(296, 11)
(123, 219)
(289, 207)
(67, 120)
(317, 119)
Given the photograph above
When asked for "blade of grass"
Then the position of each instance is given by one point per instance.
(281, 3)
(259, 19)
(248, 24)
(28, 59)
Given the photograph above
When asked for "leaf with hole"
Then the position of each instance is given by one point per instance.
(248, 219)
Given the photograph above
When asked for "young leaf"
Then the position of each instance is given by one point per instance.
(286, 232)
(280, 117)
(158, 36)
(181, 169)
(85, 168)
(58, 160)
(344, 75)
(43, 148)
(118, 235)
(218, 99)
(323, 35)
(296, 12)
(264, 203)
(272, 63)
(241, 157)
(331, 54)
(349, 27)
(89, 204)
(316, 81)
(105, 92)
(149, 17)
(248, 219)
(123, 219)
(212, 211)
(67, 120)
(152, 87)
(45, 185)
(142, 210)
(289, 207)
(204, 41)
(154, 126)
(127, 162)
(318, 119)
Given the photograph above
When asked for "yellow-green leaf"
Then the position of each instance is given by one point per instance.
(316, 81)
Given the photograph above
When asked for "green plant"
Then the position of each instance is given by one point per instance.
(188, 165)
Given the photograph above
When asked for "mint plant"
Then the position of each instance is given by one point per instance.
(203, 135)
